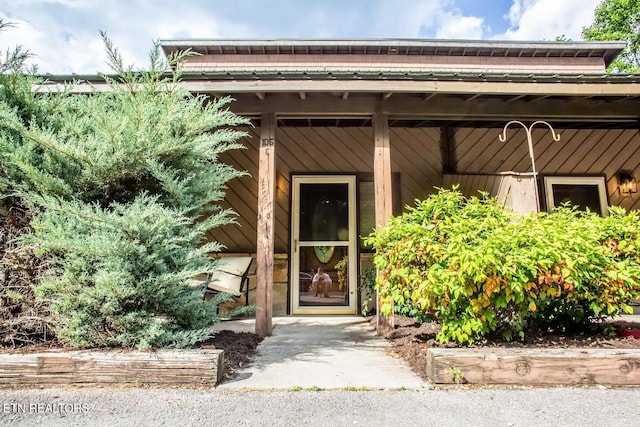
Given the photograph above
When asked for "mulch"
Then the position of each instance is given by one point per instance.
(411, 340)
(239, 349)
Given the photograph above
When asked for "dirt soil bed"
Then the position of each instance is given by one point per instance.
(411, 340)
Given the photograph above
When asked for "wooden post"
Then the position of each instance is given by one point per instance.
(266, 214)
(383, 194)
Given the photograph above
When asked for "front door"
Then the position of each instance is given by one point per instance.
(323, 244)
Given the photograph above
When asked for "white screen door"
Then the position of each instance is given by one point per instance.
(323, 244)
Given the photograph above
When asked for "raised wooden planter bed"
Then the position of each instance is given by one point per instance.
(163, 367)
(534, 366)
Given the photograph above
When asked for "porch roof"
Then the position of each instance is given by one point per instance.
(354, 78)
(443, 82)
(423, 96)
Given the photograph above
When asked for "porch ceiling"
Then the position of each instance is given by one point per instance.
(365, 122)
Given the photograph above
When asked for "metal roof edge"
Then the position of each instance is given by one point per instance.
(411, 42)
(369, 75)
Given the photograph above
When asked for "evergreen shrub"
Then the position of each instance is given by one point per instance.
(124, 184)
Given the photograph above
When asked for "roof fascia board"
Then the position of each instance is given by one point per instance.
(625, 89)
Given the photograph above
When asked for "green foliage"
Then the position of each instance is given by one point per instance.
(341, 268)
(368, 287)
(122, 272)
(24, 319)
(618, 20)
(478, 269)
(124, 184)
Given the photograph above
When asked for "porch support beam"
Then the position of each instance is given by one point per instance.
(265, 224)
(383, 195)
(447, 108)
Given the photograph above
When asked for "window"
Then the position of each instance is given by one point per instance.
(367, 205)
(585, 192)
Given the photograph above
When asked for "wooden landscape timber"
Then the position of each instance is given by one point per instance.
(515, 366)
(87, 367)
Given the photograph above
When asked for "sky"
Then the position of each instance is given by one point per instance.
(64, 35)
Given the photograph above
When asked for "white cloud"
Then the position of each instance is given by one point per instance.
(457, 26)
(25, 35)
(64, 33)
(547, 19)
(354, 19)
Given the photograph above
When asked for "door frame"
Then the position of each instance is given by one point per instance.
(295, 244)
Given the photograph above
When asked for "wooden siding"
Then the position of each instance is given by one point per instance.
(512, 190)
(354, 62)
(415, 153)
(579, 152)
(471, 184)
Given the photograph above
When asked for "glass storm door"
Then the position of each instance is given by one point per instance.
(323, 245)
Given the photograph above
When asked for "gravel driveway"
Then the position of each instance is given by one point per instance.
(454, 407)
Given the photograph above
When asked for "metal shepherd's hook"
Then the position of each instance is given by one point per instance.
(556, 137)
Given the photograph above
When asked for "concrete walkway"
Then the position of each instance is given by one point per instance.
(323, 352)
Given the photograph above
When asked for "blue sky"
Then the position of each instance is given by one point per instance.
(64, 36)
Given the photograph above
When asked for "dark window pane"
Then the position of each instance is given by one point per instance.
(367, 210)
(582, 196)
(324, 212)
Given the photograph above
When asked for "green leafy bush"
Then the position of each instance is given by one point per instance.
(478, 269)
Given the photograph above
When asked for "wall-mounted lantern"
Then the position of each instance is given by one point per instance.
(627, 183)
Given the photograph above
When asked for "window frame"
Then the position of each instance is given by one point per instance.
(599, 181)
